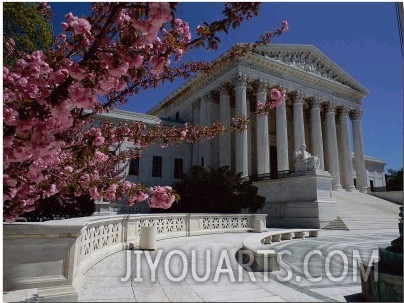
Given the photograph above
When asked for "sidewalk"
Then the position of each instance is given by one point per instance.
(103, 281)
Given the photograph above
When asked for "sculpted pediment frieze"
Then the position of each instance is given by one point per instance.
(310, 60)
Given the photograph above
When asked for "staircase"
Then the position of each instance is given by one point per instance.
(362, 211)
(337, 224)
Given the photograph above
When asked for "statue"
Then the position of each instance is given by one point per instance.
(304, 161)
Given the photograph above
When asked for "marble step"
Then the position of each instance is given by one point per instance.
(337, 224)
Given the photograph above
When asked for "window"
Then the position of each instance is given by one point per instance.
(178, 168)
(157, 166)
(202, 162)
(134, 167)
(177, 116)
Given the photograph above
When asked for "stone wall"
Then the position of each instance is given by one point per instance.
(392, 196)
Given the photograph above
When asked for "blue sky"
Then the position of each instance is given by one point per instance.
(362, 38)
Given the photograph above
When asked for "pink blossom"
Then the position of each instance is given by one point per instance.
(94, 193)
(260, 106)
(141, 196)
(136, 61)
(110, 193)
(99, 141)
(100, 157)
(52, 190)
(9, 181)
(277, 97)
(64, 26)
(126, 185)
(285, 26)
(131, 200)
(120, 70)
(161, 197)
(157, 65)
(68, 168)
(84, 180)
(10, 116)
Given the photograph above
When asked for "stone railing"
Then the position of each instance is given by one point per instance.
(53, 256)
(265, 258)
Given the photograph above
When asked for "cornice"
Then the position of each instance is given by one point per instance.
(271, 69)
(123, 115)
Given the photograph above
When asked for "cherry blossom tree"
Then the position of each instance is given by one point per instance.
(49, 98)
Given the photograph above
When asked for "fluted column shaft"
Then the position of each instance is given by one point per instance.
(332, 154)
(346, 149)
(361, 178)
(205, 119)
(282, 137)
(262, 135)
(298, 122)
(224, 143)
(316, 133)
(240, 90)
(195, 121)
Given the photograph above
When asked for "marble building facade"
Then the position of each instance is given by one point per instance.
(322, 106)
(322, 109)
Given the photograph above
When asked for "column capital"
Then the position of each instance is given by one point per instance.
(299, 98)
(330, 106)
(343, 111)
(355, 114)
(315, 103)
(224, 89)
(240, 80)
(196, 104)
(206, 97)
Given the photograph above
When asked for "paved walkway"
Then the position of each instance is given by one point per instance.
(372, 223)
(103, 281)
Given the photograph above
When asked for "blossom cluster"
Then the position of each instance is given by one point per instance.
(275, 100)
(49, 143)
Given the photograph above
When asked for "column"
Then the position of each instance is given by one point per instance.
(361, 178)
(224, 143)
(282, 137)
(332, 155)
(262, 134)
(340, 149)
(195, 120)
(204, 118)
(316, 132)
(298, 122)
(240, 89)
(346, 149)
(325, 140)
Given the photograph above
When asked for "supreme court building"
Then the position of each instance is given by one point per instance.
(322, 109)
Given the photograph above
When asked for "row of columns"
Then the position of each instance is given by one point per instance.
(320, 148)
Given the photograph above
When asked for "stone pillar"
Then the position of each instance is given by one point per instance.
(325, 140)
(346, 150)
(224, 143)
(282, 137)
(340, 150)
(298, 122)
(332, 155)
(361, 178)
(262, 134)
(240, 89)
(195, 120)
(316, 132)
(204, 118)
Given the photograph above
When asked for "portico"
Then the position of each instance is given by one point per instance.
(320, 103)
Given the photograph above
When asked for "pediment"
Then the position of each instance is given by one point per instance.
(309, 59)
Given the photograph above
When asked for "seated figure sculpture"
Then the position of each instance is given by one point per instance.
(304, 161)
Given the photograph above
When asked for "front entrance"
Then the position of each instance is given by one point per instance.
(273, 160)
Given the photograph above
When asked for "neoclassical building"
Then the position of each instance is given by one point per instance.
(322, 109)
(322, 100)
